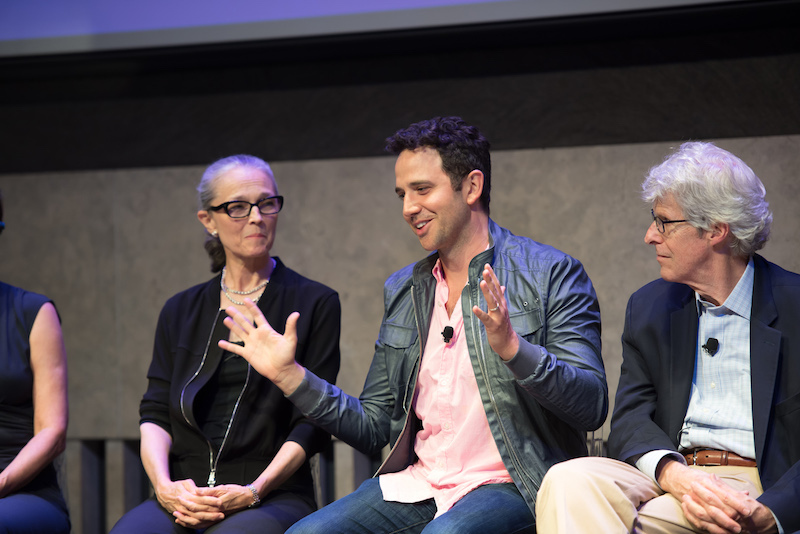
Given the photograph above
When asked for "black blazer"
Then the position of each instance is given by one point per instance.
(658, 357)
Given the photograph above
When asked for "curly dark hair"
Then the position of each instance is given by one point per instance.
(462, 147)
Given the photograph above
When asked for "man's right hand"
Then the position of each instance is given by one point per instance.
(270, 353)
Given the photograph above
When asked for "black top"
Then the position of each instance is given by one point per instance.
(18, 311)
(186, 360)
(215, 403)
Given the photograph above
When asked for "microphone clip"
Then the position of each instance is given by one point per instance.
(447, 334)
(711, 347)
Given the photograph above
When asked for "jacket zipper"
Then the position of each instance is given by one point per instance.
(419, 358)
(405, 397)
(484, 370)
(212, 462)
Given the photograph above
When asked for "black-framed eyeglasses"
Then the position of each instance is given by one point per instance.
(661, 223)
(239, 209)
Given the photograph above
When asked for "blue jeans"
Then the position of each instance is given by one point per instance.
(495, 508)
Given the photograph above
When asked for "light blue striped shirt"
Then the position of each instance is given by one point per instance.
(720, 413)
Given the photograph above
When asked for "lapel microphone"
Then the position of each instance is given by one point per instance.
(711, 347)
(447, 334)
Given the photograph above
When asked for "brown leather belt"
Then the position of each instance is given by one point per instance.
(714, 457)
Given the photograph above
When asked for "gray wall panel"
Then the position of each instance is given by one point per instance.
(111, 246)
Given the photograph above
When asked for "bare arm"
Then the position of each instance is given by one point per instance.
(50, 410)
(288, 460)
(155, 446)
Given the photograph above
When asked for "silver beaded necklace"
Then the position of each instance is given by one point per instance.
(228, 291)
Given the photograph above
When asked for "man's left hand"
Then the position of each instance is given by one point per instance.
(501, 336)
(709, 495)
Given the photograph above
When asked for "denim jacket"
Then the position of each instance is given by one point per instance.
(539, 404)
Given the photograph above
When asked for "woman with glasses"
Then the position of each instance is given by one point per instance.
(224, 450)
(33, 411)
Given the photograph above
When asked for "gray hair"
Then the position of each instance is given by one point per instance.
(711, 186)
(206, 190)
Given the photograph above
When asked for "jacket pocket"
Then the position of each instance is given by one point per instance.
(526, 323)
(397, 336)
(401, 352)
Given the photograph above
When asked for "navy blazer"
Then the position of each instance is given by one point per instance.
(658, 358)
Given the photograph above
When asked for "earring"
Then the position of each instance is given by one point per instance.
(214, 233)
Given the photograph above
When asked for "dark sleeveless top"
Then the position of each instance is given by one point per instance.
(18, 310)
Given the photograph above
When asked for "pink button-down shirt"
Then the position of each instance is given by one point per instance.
(455, 447)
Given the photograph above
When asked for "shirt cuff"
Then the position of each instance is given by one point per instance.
(309, 393)
(528, 361)
(778, 523)
(648, 462)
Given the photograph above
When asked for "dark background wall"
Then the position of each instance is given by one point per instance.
(723, 70)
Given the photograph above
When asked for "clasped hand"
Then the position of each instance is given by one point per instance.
(713, 506)
(200, 507)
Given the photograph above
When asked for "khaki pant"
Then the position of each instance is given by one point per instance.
(601, 495)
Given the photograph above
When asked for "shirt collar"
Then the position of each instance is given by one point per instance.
(438, 272)
(740, 301)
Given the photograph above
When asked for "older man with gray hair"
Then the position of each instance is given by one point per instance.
(707, 415)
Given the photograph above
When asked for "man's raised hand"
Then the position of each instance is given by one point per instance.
(270, 353)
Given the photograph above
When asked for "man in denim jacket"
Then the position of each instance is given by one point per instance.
(487, 368)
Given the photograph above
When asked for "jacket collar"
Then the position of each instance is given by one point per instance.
(683, 336)
(423, 268)
(765, 343)
(496, 239)
(764, 310)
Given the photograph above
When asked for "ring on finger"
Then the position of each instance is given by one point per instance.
(494, 309)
